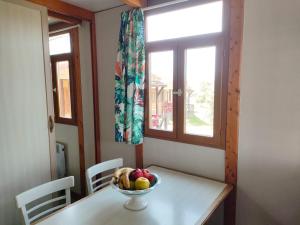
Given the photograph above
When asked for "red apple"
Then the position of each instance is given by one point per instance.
(131, 177)
(146, 173)
(136, 174)
(152, 179)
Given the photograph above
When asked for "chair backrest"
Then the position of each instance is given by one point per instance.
(43, 190)
(100, 168)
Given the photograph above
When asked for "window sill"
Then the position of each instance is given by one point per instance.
(210, 142)
(64, 121)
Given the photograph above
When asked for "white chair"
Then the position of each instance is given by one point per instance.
(43, 190)
(100, 168)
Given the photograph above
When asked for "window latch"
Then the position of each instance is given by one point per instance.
(178, 92)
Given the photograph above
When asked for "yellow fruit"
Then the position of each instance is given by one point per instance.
(142, 183)
(132, 185)
(125, 181)
(122, 176)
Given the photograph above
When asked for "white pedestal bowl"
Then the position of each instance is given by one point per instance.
(136, 201)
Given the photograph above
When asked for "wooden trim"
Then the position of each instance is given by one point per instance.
(95, 90)
(179, 45)
(230, 208)
(163, 134)
(65, 9)
(59, 26)
(79, 110)
(72, 70)
(236, 9)
(233, 98)
(65, 19)
(139, 150)
(219, 112)
(76, 97)
(135, 3)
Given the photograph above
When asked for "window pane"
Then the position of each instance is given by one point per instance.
(201, 19)
(63, 88)
(161, 90)
(199, 91)
(60, 44)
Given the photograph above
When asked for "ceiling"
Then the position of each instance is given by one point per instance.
(95, 5)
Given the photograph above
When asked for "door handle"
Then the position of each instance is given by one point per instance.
(178, 92)
(51, 124)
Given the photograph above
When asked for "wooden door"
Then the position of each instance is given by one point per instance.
(27, 147)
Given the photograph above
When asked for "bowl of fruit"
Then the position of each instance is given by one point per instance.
(135, 183)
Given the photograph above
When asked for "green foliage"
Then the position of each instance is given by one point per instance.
(196, 121)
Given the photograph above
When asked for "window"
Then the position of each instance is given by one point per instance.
(180, 23)
(63, 77)
(186, 74)
(59, 44)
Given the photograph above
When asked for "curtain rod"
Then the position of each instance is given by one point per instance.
(64, 29)
(163, 5)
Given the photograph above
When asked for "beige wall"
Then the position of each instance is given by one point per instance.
(200, 160)
(87, 93)
(68, 134)
(107, 25)
(269, 152)
(24, 136)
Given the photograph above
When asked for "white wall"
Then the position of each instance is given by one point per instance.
(68, 135)
(204, 161)
(269, 144)
(107, 26)
(87, 93)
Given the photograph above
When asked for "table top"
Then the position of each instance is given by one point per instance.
(180, 199)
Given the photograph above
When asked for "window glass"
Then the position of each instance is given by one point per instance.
(161, 90)
(63, 88)
(201, 19)
(60, 44)
(199, 91)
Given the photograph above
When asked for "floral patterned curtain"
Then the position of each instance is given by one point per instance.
(129, 79)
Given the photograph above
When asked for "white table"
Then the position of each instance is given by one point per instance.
(181, 199)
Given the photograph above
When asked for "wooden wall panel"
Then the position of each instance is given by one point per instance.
(24, 137)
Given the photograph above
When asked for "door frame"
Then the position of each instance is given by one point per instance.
(67, 10)
(76, 100)
(76, 12)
